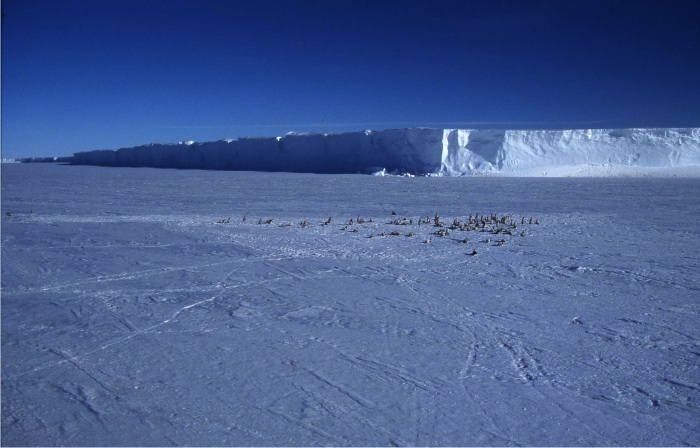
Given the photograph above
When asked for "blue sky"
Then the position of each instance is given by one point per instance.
(87, 74)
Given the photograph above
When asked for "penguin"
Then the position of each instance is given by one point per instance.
(473, 253)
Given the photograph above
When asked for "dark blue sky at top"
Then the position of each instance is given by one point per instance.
(80, 75)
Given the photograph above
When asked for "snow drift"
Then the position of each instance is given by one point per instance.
(452, 152)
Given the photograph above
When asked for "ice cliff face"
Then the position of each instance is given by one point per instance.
(453, 152)
(531, 152)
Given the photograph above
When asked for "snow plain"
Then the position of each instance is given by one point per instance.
(135, 313)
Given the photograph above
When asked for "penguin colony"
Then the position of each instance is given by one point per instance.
(496, 228)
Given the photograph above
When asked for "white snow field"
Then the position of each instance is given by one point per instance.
(444, 152)
(135, 312)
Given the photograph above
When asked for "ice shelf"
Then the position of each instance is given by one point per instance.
(422, 151)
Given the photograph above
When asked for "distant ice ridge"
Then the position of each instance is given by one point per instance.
(39, 160)
(422, 151)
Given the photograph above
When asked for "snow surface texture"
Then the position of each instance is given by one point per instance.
(149, 312)
(450, 152)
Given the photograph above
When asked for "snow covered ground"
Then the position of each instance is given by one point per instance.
(134, 312)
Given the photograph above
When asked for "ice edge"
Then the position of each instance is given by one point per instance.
(431, 152)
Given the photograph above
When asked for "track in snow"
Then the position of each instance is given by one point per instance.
(132, 324)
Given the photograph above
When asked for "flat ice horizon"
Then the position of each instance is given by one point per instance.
(426, 152)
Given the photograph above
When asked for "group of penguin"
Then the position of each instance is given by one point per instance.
(492, 224)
